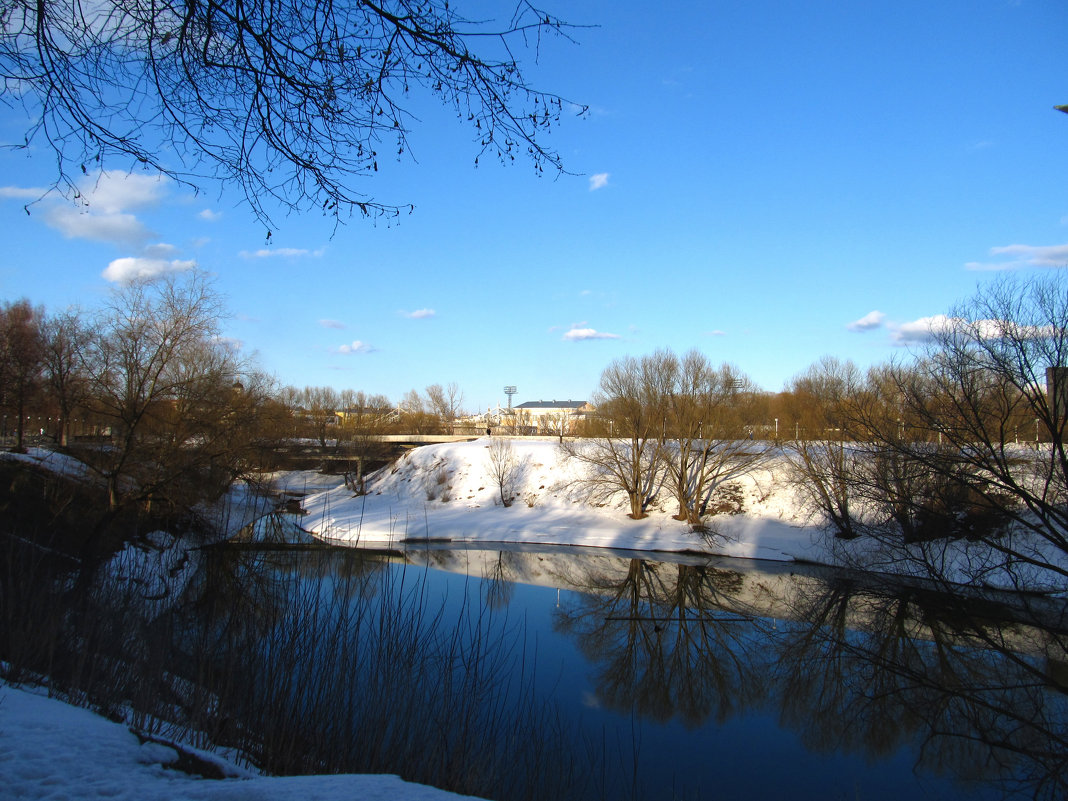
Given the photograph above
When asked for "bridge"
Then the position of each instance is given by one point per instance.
(311, 454)
(424, 439)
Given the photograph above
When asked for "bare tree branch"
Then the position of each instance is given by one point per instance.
(293, 102)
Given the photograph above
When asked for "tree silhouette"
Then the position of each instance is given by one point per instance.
(291, 101)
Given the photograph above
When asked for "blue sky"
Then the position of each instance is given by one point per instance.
(768, 182)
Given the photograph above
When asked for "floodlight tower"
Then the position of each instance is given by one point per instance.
(509, 391)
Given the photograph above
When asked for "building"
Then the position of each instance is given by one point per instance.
(549, 417)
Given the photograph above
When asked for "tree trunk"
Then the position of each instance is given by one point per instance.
(636, 510)
(113, 492)
(20, 427)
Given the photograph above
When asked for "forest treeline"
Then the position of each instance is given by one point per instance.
(165, 412)
(961, 437)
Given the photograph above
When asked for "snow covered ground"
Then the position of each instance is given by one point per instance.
(447, 492)
(50, 751)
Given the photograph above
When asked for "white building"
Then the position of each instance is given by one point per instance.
(546, 417)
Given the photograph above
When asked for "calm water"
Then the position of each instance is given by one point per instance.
(694, 678)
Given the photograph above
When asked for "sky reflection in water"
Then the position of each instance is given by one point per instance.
(707, 679)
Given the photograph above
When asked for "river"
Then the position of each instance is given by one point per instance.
(585, 673)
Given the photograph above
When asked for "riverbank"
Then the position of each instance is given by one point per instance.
(52, 750)
(450, 493)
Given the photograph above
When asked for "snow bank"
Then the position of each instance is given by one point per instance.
(447, 492)
(51, 751)
(58, 463)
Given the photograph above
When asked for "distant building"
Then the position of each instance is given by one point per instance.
(550, 417)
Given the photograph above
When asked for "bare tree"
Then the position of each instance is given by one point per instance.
(366, 418)
(173, 394)
(66, 337)
(445, 402)
(632, 398)
(504, 468)
(293, 102)
(709, 420)
(289, 398)
(992, 367)
(320, 406)
(823, 463)
(417, 416)
(561, 423)
(21, 355)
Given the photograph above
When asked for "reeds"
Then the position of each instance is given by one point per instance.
(306, 662)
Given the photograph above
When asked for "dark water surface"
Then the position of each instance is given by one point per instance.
(661, 676)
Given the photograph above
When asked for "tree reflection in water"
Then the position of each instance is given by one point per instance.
(851, 664)
(871, 667)
(341, 661)
(667, 642)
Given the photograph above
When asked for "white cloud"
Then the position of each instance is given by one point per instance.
(1024, 256)
(210, 216)
(420, 314)
(919, 330)
(332, 324)
(266, 253)
(717, 333)
(160, 250)
(103, 209)
(118, 228)
(872, 319)
(113, 193)
(23, 192)
(924, 328)
(599, 181)
(356, 347)
(130, 268)
(580, 334)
